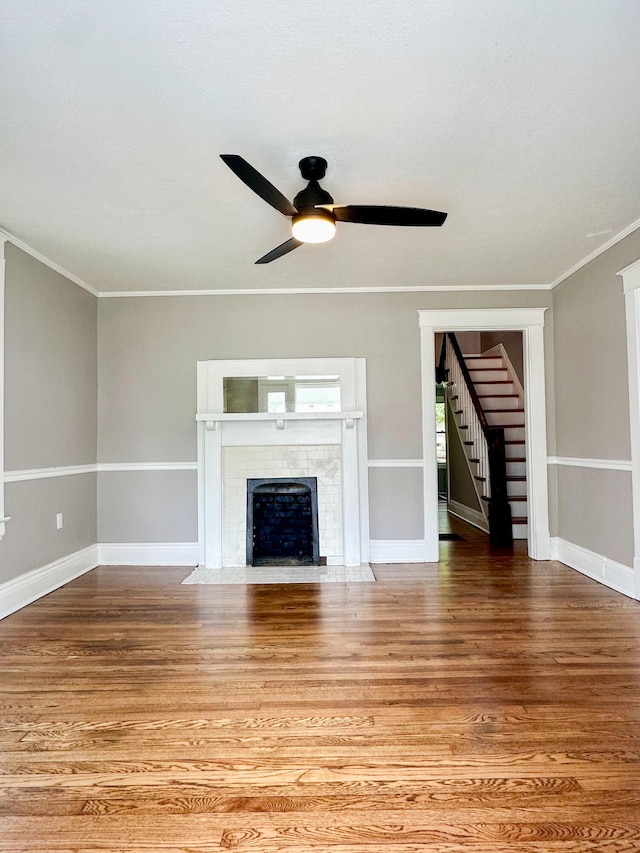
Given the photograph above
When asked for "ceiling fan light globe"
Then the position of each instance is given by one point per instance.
(316, 227)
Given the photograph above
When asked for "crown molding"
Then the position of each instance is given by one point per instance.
(20, 244)
(599, 251)
(286, 291)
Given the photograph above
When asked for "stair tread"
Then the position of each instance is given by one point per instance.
(519, 519)
(501, 397)
(508, 410)
(517, 497)
(516, 478)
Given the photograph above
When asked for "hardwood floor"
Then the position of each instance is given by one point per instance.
(485, 704)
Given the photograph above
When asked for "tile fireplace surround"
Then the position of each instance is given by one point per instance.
(233, 448)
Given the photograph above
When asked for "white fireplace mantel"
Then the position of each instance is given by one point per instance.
(212, 419)
(218, 430)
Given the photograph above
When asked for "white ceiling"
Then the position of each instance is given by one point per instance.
(520, 119)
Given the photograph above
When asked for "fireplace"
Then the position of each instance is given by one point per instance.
(282, 522)
(237, 447)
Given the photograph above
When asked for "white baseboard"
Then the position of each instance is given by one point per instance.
(148, 554)
(397, 551)
(471, 516)
(615, 575)
(32, 585)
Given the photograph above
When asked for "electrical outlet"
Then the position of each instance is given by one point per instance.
(59, 522)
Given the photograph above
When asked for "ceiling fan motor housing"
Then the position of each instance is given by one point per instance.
(311, 195)
(313, 168)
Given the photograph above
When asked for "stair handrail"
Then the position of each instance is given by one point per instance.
(477, 405)
(491, 450)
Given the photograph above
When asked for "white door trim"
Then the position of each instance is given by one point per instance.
(3, 519)
(631, 284)
(530, 321)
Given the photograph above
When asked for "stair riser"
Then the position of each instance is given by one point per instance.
(490, 403)
(480, 363)
(489, 388)
(512, 450)
(520, 531)
(519, 487)
(518, 508)
(488, 375)
(502, 418)
(516, 469)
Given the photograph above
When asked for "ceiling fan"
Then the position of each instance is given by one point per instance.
(313, 212)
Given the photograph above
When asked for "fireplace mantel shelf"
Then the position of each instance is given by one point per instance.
(283, 416)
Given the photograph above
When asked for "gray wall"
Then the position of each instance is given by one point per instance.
(50, 413)
(592, 403)
(147, 354)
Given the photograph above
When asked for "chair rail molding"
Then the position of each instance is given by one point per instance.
(529, 321)
(631, 286)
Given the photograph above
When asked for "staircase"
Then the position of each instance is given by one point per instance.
(501, 398)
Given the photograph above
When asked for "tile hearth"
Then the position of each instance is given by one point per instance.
(282, 574)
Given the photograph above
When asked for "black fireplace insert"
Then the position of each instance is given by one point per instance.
(282, 522)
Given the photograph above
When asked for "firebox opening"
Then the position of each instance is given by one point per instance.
(282, 522)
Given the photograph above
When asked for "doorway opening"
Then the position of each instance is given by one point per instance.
(480, 421)
(530, 323)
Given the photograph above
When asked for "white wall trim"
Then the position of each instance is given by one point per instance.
(285, 291)
(581, 462)
(395, 463)
(47, 473)
(631, 285)
(466, 513)
(20, 244)
(396, 551)
(596, 252)
(32, 585)
(530, 321)
(3, 518)
(630, 276)
(148, 553)
(104, 467)
(20, 476)
(615, 575)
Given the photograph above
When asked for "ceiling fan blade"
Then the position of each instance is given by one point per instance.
(259, 184)
(376, 214)
(279, 251)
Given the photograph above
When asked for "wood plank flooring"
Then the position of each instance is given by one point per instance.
(485, 704)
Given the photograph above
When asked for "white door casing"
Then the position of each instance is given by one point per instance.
(530, 321)
(631, 284)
